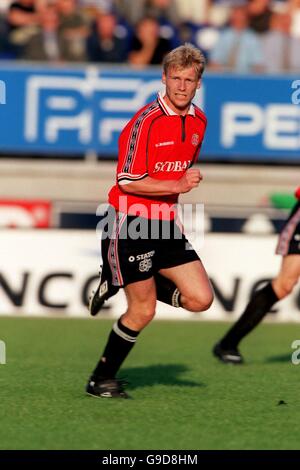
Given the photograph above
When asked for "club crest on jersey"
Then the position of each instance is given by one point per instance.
(195, 139)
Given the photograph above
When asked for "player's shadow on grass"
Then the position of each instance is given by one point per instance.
(280, 358)
(163, 374)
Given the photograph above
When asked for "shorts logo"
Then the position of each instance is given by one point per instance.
(195, 140)
(145, 265)
(145, 262)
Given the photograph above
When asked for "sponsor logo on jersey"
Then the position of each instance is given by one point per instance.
(167, 166)
(164, 144)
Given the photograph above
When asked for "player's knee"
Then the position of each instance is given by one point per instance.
(287, 285)
(141, 313)
(148, 313)
(199, 303)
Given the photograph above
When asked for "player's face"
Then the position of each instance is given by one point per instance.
(181, 86)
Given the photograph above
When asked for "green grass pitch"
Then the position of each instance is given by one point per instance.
(182, 397)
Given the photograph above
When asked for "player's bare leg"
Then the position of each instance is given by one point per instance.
(141, 299)
(192, 281)
(288, 276)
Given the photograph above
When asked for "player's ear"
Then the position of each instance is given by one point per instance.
(163, 79)
(199, 83)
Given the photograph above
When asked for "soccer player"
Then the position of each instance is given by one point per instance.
(157, 150)
(262, 301)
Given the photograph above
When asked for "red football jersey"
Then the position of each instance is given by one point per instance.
(158, 143)
(297, 193)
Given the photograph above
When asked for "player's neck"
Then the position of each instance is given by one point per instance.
(179, 111)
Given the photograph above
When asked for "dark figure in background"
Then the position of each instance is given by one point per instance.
(105, 44)
(45, 44)
(22, 22)
(148, 48)
(73, 31)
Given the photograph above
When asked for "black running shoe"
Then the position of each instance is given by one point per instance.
(107, 388)
(228, 356)
(104, 291)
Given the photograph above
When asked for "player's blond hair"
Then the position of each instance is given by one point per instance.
(184, 57)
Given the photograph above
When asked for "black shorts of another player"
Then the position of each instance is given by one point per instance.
(289, 239)
(131, 259)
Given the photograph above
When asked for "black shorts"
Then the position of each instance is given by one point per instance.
(137, 248)
(289, 239)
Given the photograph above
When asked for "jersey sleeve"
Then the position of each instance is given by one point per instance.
(133, 142)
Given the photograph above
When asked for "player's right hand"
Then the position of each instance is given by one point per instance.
(189, 180)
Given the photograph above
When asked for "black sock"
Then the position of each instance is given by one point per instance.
(166, 291)
(259, 305)
(120, 342)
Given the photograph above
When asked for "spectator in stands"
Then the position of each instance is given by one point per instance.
(148, 48)
(277, 44)
(238, 48)
(163, 10)
(263, 300)
(101, 5)
(130, 10)
(3, 38)
(45, 44)
(73, 30)
(22, 22)
(104, 44)
(205, 12)
(4, 6)
(260, 13)
(91, 8)
(133, 11)
(21, 12)
(193, 11)
(294, 10)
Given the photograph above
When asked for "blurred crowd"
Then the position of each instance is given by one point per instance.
(236, 35)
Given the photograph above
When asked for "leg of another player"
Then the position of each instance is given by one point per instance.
(288, 276)
(257, 308)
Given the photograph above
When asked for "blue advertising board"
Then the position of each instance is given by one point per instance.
(72, 111)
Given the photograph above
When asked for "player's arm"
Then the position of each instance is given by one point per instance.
(132, 171)
(153, 187)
